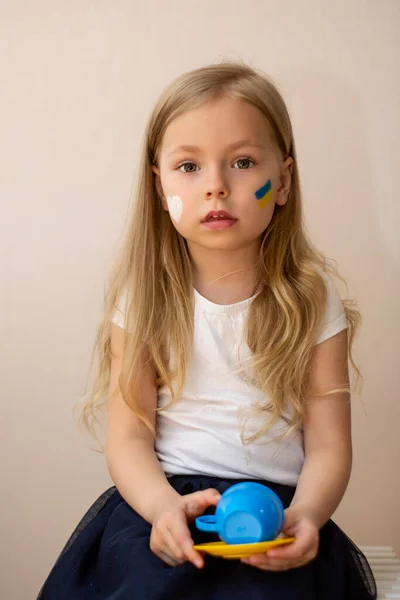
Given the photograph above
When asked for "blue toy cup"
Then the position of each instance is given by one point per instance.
(246, 513)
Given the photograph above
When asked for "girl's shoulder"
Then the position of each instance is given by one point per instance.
(119, 314)
(334, 317)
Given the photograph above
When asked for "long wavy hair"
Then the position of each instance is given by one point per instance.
(153, 271)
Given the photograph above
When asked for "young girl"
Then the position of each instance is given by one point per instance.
(223, 358)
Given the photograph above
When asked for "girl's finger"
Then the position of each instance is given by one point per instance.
(299, 548)
(290, 552)
(266, 560)
(173, 547)
(196, 503)
(167, 559)
(183, 540)
(269, 566)
(284, 567)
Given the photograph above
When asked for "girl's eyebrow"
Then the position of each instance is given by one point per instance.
(234, 146)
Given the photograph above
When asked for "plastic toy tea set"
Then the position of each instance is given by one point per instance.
(249, 518)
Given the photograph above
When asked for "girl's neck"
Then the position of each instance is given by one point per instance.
(225, 277)
(229, 294)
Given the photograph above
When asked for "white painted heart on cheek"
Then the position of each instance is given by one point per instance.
(175, 207)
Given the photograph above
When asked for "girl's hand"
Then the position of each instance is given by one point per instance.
(170, 537)
(302, 551)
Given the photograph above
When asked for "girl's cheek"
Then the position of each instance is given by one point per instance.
(175, 207)
(264, 194)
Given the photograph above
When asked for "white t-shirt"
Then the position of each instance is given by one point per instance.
(199, 434)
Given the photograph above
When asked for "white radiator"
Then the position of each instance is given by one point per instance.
(385, 566)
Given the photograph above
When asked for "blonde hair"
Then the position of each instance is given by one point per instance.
(155, 270)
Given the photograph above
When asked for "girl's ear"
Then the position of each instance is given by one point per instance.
(159, 189)
(285, 181)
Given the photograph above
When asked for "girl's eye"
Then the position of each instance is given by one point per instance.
(185, 164)
(242, 161)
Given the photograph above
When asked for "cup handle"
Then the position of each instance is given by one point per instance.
(207, 523)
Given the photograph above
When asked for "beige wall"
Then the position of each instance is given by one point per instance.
(77, 83)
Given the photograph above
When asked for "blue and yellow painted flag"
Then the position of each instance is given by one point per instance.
(264, 194)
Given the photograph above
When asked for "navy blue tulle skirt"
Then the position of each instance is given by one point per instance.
(108, 557)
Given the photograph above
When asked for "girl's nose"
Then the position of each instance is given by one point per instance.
(222, 193)
(218, 188)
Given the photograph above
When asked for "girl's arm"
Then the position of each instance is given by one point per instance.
(131, 459)
(327, 465)
(137, 473)
(327, 434)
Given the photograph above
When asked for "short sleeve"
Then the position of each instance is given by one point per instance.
(334, 319)
(119, 314)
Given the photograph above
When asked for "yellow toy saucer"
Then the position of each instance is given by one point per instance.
(235, 551)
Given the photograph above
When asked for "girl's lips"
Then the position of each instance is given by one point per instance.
(219, 223)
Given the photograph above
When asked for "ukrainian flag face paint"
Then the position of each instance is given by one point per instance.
(264, 194)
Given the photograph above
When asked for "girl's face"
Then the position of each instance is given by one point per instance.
(220, 157)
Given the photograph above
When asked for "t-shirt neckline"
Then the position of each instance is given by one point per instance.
(222, 308)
